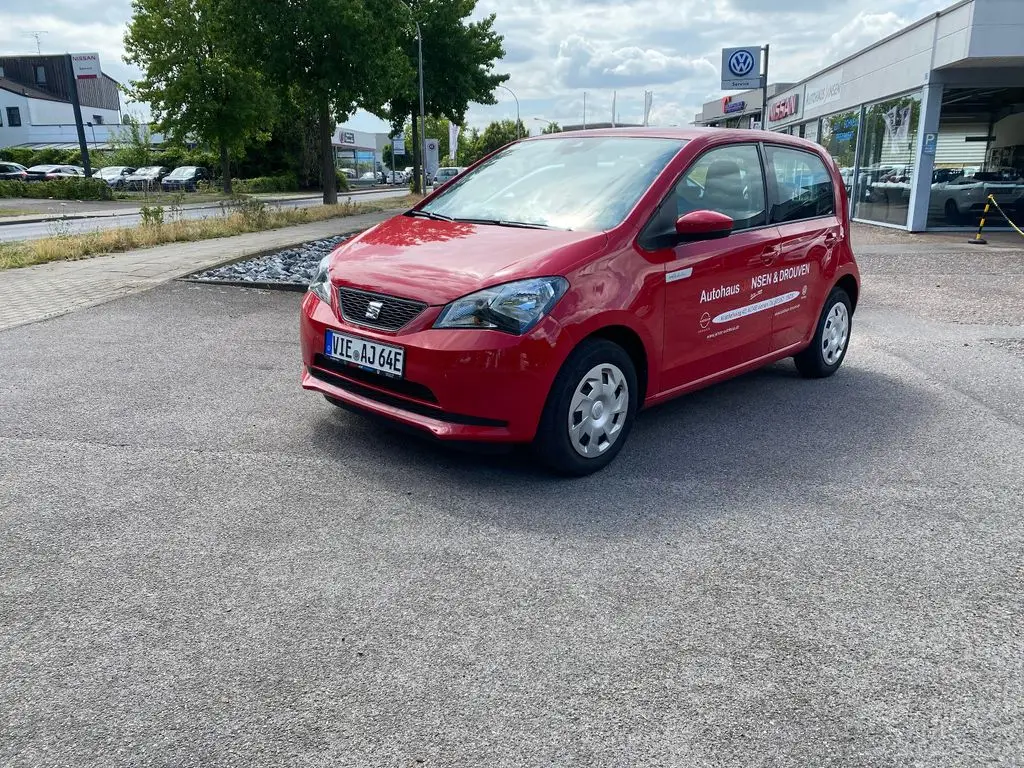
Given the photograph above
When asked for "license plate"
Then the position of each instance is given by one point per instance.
(368, 355)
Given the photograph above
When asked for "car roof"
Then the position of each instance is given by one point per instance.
(687, 134)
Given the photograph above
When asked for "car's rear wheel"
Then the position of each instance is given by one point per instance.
(831, 338)
(590, 409)
(952, 212)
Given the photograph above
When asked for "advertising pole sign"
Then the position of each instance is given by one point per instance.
(86, 66)
(741, 68)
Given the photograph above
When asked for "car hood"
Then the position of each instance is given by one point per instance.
(439, 261)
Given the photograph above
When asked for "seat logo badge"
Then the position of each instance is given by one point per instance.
(373, 309)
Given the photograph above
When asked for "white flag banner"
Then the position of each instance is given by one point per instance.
(453, 141)
(613, 108)
(897, 125)
(648, 100)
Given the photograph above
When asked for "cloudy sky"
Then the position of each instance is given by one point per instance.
(557, 50)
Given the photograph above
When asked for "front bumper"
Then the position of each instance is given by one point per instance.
(461, 385)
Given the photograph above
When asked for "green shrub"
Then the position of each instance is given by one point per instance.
(59, 189)
(286, 182)
(342, 182)
(152, 216)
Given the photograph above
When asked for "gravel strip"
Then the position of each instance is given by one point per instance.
(295, 265)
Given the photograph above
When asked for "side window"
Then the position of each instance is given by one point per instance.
(13, 117)
(728, 180)
(803, 185)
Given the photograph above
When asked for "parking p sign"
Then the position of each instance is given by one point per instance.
(741, 68)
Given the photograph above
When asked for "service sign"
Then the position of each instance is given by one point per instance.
(398, 144)
(784, 108)
(86, 66)
(741, 68)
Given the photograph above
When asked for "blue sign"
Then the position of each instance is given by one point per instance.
(741, 63)
(930, 142)
(735, 106)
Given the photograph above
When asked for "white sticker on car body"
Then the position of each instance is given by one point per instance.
(678, 274)
(753, 309)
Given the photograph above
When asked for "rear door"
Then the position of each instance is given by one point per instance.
(804, 208)
(711, 323)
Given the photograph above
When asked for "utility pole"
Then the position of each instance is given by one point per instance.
(77, 107)
(38, 34)
(764, 92)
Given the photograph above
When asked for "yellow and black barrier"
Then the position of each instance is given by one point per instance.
(978, 239)
(989, 202)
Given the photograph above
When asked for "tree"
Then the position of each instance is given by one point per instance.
(551, 128)
(342, 54)
(458, 66)
(194, 82)
(495, 136)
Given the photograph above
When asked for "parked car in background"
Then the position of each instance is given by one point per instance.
(575, 278)
(349, 173)
(114, 175)
(53, 172)
(370, 176)
(185, 178)
(148, 177)
(966, 195)
(13, 172)
(446, 174)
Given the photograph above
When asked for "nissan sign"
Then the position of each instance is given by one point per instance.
(783, 109)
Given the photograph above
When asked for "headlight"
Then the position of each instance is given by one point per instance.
(321, 284)
(512, 308)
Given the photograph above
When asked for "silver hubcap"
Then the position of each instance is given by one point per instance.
(835, 334)
(598, 409)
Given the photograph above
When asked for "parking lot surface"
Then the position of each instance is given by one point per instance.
(203, 565)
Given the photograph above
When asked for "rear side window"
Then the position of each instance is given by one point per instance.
(803, 186)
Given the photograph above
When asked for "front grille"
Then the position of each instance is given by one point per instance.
(398, 402)
(393, 314)
(402, 387)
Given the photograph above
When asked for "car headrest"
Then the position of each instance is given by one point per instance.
(721, 170)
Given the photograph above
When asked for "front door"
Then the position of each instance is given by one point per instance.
(714, 320)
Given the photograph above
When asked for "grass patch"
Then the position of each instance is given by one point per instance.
(169, 198)
(246, 216)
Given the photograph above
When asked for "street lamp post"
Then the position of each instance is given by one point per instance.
(542, 120)
(517, 107)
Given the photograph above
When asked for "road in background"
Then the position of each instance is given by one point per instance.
(36, 230)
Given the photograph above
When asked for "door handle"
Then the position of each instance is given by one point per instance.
(769, 254)
(831, 239)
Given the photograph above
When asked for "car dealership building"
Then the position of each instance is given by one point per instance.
(924, 124)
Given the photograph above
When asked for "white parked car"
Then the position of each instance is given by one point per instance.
(957, 197)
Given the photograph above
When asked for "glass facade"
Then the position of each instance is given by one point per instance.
(886, 163)
(838, 135)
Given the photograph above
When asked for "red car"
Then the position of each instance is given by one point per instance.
(565, 282)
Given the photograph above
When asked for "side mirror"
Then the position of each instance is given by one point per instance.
(703, 225)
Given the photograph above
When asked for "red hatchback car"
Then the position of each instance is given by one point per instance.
(566, 281)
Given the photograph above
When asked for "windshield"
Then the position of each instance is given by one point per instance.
(149, 170)
(581, 183)
(178, 173)
(43, 168)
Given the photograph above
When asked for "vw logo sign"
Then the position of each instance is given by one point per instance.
(741, 63)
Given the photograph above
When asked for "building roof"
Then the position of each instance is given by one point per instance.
(27, 91)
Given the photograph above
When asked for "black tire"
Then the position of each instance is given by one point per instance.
(552, 443)
(812, 362)
(952, 213)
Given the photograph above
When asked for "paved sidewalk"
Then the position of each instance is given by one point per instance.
(31, 294)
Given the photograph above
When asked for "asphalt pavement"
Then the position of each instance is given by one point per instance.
(113, 218)
(204, 565)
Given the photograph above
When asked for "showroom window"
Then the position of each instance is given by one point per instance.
(886, 172)
(838, 135)
(803, 187)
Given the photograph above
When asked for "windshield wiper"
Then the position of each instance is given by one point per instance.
(508, 223)
(430, 215)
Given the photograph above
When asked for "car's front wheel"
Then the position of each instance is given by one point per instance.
(590, 409)
(831, 338)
